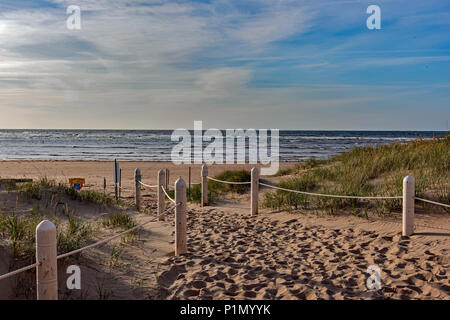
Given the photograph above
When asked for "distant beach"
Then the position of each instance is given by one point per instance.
(156, 145)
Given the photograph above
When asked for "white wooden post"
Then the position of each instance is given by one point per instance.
(254, 191)
(189, 185)
(204, 177)
(47, 269)
(408, 206)
(168, 180)
(180, 217)
(166, 183)
(116, 179)
(161, 178)
(137, 188)
(120, 183)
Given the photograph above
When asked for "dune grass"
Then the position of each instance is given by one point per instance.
(119, 220)
(215, 189)
(304, 165)
(195, 193)
(18, 230)
(122, 221)
(369, 171)
(232, 176)
(20, 233)
(37, 189)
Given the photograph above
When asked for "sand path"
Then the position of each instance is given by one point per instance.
(286, 256)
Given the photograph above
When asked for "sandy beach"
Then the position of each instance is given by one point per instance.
(231, 255)
(95, 171)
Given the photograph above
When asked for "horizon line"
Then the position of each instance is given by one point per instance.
(172, 129)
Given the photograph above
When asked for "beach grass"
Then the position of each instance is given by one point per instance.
(19, 231)
(122, 221)
(232, 176)
(215, 189)
(368, 171)
(37, 189)
(119, 220)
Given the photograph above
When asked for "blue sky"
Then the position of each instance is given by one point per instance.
(251, 64)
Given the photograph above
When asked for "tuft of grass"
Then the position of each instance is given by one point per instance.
(20, 232)
(90, 196)
(215, 189)
(301, 166)
(123, 221)
(73, 235)
(195, 194)
(232, 176)
(369, 171)
(171, 193)
(38, 189)
(119, 220)
(103, 292)
(309, 164)
(115, 258)
(283, 172)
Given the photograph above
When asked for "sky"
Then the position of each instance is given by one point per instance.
(232, 64)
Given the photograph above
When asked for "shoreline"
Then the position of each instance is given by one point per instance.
(95, 171)
(160, 161)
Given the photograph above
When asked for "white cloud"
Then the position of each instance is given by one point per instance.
(223, 81)
(126, 44)
(275, 23)
(134, 63)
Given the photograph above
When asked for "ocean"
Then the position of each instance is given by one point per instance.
(156, 145)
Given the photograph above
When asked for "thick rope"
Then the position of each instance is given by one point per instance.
(146, 185)
(115, 236)
(433, 202)
(228, 182)
(7, 275)
(167, 194)
(328, 195)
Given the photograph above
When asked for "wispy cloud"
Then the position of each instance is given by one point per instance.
(134, 62)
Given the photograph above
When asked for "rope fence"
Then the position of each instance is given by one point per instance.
(327, 195)
(147, 185)
(12, 273)
(433, 202)
(332, 195)
(229, 182)
(408, 198)
(167, 195)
